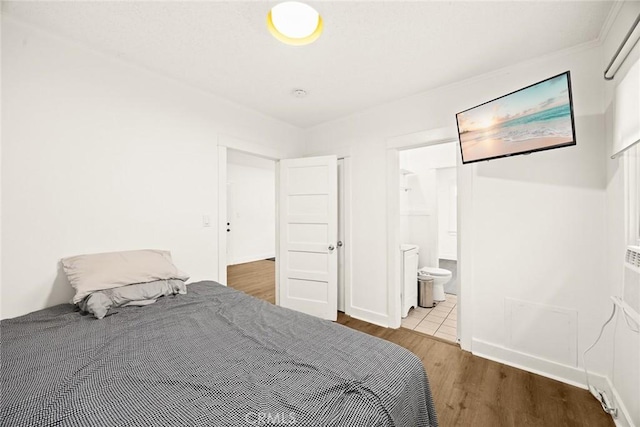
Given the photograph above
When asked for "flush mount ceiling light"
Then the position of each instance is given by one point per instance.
(294, 23)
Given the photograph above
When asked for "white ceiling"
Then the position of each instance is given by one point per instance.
(369, 53)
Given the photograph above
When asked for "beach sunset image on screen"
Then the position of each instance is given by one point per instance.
(535, 118)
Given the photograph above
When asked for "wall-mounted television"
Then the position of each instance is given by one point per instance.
(535, 118)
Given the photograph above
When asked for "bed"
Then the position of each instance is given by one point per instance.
(212, 357)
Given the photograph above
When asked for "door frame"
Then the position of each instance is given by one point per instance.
(345, 209)
(225, 143)
(464, 181)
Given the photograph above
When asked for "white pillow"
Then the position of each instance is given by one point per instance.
(96, 272)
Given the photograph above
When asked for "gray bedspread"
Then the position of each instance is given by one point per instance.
(213, 357)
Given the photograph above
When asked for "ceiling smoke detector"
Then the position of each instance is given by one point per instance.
(299, 93)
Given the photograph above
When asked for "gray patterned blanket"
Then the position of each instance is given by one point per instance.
(213, 357)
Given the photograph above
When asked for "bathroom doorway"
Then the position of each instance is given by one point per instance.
(429, 221)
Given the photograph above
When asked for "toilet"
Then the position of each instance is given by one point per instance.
(440, 278)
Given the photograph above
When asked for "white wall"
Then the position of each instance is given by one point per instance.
(537, 223)
(430, 157)
(424, 219)
(418, 215)
(447, 214)
(251, 198)
(624, 367)
(102, 156)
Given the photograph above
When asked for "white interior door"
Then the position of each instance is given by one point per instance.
(308, 226)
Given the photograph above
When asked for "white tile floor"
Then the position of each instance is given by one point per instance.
(439, 321)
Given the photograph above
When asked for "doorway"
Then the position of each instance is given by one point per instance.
(314, 252)
(229, 195)
(251, 208)
(251, 222)
(428, 227)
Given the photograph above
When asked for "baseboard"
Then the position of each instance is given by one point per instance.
(557, 371)
(251, 258)
(624, 418)
(369, 316)
(547, 368)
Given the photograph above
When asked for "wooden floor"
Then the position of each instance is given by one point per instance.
(468, 390)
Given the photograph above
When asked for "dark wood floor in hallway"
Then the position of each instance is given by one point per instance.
(468, 390)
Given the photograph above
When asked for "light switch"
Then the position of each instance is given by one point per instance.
(206, 221)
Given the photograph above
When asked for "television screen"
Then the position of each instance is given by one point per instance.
(535, 118)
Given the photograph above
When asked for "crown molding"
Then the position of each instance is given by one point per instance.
(610, 19)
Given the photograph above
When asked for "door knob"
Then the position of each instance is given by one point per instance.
(339, 243)
(331, 247)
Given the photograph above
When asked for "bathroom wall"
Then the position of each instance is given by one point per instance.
(447, 213)
(424, 208)
(418, 215)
